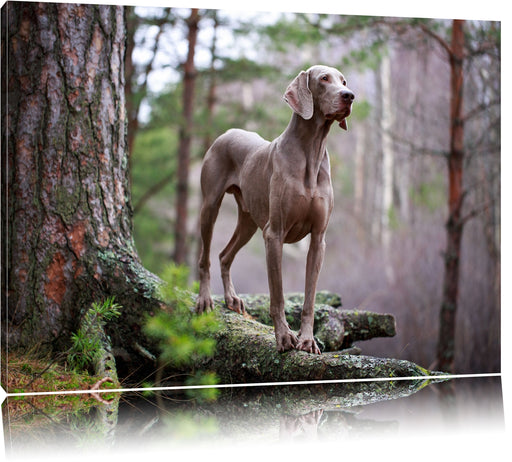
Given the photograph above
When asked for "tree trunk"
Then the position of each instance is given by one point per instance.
(185, 136)
(454, 225)
(388, 160)
(69, 212)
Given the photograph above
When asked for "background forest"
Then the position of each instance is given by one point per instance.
(192, 74)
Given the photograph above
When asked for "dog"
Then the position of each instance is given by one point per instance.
(282, 187)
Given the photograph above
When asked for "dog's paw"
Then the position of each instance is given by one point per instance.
(286, 340)
(308, 345)
(235, 303)
(204, 304)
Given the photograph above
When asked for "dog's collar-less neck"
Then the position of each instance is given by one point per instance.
(307, 142)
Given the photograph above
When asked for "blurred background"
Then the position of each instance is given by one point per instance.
(192, 74)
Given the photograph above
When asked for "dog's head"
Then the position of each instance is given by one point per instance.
(323, 89)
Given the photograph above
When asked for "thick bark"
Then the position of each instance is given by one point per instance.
(455, 223)
(185, 136)
(69, 213)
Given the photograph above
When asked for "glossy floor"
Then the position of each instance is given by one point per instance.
(372, 420)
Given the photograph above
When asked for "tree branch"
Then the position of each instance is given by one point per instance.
(444, 44)
(154, 189)
(478, 109)
(418, 149)
(475, 212)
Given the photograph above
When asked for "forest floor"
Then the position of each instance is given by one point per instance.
(27, 374)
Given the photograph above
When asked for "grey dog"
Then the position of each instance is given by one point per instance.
(283, 187)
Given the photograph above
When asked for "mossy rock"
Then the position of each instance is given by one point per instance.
(246, 353)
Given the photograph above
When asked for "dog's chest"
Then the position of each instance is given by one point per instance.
(309, 210)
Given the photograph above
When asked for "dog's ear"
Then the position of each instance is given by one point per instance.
(299, 97)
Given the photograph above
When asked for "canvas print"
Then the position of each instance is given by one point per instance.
(212, 216)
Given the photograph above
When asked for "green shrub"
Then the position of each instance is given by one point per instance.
(86, 342)
(183, 336)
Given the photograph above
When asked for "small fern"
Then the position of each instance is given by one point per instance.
(86, 342)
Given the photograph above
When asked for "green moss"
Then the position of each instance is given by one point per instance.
(323, 297)
(147, 283)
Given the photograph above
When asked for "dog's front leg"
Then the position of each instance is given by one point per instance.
(285, 338)
(314, 263)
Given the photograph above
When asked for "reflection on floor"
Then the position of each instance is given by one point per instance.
(271, 415)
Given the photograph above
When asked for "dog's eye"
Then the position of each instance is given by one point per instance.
(324, 77)
(344, 83)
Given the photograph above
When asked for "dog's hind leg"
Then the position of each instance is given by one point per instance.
(209, 212)
(245, 229)
(213, 192)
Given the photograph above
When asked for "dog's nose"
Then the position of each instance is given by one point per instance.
(347, 96)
